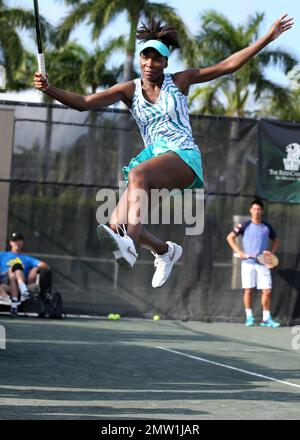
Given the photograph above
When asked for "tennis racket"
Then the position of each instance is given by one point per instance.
(40, 56)
(266, 259)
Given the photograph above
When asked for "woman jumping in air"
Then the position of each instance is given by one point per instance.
(170, 159)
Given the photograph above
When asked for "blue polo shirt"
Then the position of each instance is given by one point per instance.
(8, 259)
(255, 237)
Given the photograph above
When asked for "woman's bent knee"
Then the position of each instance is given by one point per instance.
(138, 177)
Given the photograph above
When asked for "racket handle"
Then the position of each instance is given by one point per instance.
(236, 255)
(41, 63)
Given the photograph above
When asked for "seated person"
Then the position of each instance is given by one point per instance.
(19, 270)
(4, 297)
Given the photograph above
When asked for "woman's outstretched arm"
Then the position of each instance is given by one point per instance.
(119, 92)
(235, 61)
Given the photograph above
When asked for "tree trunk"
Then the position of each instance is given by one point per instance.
(89, 152)
(128, 71)
(124, 153)
(46, 161)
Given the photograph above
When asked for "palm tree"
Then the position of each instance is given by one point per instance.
(64, 66)
(95, 73)
(284, 107)
(219, 39)
(101, 13)
(94, 70)
(12, 53)
(72, 66)
(287, 106)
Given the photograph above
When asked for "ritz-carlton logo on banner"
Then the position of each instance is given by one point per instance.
(291, 164)
(292, 161)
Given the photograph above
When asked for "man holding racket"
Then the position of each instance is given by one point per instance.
(256, 234)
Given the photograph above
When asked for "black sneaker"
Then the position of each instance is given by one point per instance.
(13, 312)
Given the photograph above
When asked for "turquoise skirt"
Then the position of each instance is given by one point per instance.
(190, 156)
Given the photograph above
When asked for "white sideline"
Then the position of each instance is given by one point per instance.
(240, 370)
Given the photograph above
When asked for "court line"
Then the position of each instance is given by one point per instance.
(229, 367)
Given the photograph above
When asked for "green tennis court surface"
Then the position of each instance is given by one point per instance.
(140, 369)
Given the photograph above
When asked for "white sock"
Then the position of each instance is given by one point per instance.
(14, 303)
(23, 288)
(249, 313)
(266, 315)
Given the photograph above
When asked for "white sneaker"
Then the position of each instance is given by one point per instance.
(122, 247)
(25, 296)
(5, 300)
(164, 264)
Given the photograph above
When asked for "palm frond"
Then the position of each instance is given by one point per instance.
(189, 48)
(76, 16)
(206, 99)
(279, 57)
(252, 27)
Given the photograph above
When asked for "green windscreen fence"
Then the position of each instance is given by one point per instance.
(62, 158)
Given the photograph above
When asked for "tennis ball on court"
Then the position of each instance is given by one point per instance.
(117, 316)
(156, 318)
(111, 316)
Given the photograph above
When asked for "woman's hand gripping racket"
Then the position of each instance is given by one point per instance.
(266, 258)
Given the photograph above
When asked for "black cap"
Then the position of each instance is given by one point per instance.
(16, 236)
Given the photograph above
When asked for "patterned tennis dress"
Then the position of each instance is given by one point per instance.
(165, 126)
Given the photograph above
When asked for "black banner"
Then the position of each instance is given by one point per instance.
(278, 177)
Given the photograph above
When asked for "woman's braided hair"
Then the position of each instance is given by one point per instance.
(155, 30)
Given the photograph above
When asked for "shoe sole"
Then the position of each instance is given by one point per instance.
(109, 243)
(3, 303)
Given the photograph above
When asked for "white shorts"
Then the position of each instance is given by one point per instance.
(256, 275)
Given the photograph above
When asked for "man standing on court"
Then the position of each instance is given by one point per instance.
(256, 234)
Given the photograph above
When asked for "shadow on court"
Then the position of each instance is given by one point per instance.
(99, 369)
